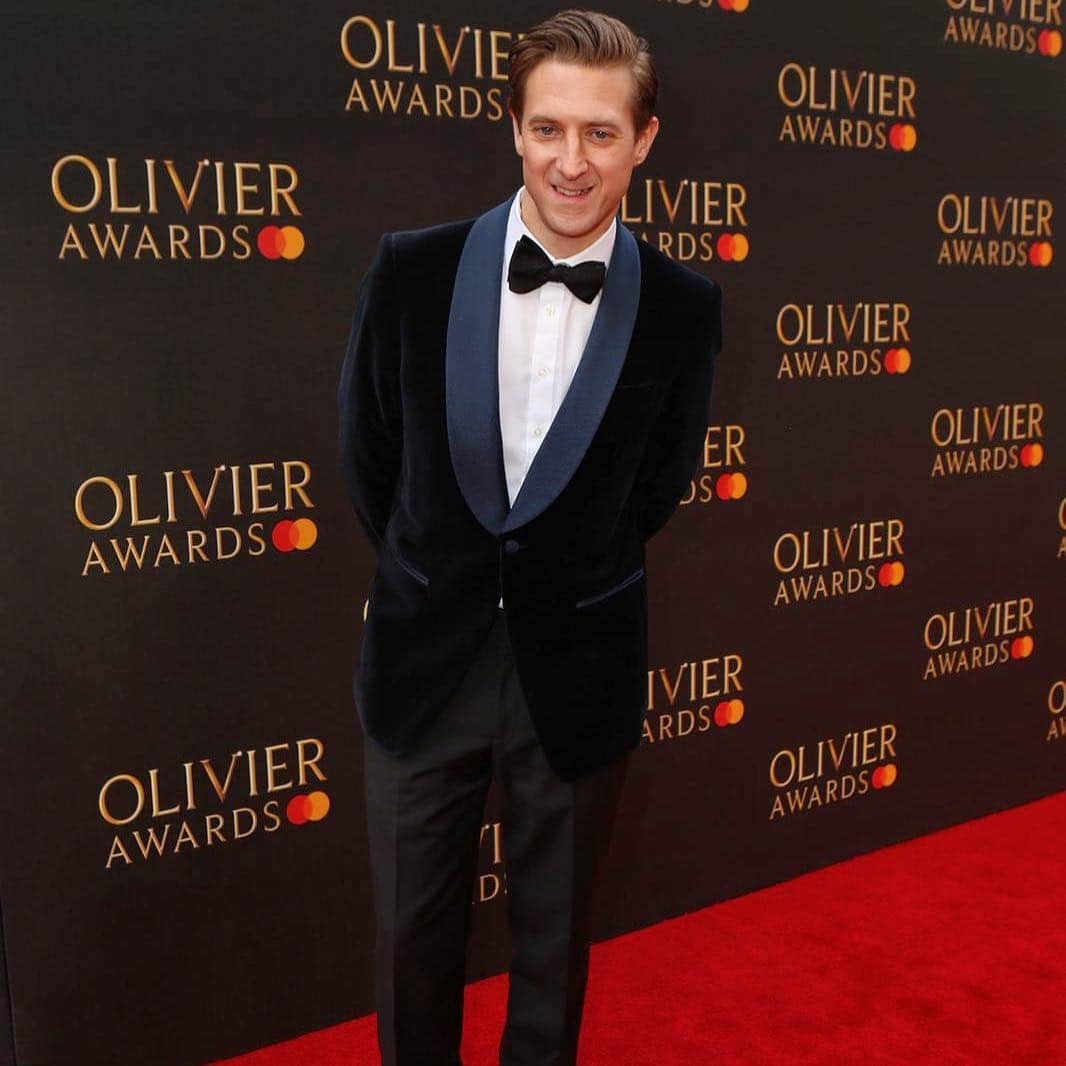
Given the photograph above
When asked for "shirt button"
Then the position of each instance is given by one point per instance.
(549, 309)
(511, 546)
(543, 372)
(536, 431)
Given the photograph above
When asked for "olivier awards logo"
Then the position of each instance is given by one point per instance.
(492, 880)
(1025, 26)
(818, 564)
(722, 447)
(993, 231)
(183, 518)
(976, 638)
(986, 440)
(836, 108)
(689, 220)
(425, 70)
(737, 6)
(1056, 705)
(146, 210)
(152, 814)
(865, 339)
(690, 697)
(834, 771)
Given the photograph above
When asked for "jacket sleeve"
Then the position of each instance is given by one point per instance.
(368, 397)
(678, 435)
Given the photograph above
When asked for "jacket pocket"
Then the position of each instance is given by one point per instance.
(635, 576)
(416, 574)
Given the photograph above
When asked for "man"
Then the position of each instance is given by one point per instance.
(512, 432)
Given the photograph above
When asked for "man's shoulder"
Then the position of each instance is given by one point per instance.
(674, 280)
(437, 243)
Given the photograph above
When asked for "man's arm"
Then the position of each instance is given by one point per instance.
(368, 397)
(678, 436)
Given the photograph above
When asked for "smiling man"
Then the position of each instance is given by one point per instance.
(578, 140)
(523, 401)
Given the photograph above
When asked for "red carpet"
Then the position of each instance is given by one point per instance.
(946, 949)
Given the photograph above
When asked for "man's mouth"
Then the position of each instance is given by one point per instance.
(572, 194)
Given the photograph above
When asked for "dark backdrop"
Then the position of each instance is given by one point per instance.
(184, 869)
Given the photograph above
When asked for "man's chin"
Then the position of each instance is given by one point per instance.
(569, 227)
(573, 224)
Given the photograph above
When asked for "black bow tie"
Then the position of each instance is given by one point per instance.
(530, 268)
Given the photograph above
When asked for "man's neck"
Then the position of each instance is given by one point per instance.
(549, 239)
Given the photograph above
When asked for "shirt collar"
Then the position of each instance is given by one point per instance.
(600, 248)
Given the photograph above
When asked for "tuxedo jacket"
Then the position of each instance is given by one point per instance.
(421, 452)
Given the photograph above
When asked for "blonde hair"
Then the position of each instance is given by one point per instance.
(594, 40)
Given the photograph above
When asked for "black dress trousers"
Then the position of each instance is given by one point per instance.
(425, 814)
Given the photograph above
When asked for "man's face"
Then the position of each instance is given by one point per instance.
(578, 146)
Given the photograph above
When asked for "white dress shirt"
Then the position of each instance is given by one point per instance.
(542, 335)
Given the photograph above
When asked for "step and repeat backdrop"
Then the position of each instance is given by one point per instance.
(858, 618)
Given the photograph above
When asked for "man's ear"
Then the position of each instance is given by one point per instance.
(644, 141)
(516, 129)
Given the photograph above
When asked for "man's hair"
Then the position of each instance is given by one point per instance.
(594, 40)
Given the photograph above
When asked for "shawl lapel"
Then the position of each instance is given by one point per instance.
(472, 377)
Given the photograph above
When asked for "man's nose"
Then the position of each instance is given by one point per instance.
(572, 162)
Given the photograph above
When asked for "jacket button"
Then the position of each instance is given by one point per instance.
(511, 546)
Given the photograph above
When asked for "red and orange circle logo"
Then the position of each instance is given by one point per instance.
(299, 535)
(280, 242)
(310, 807)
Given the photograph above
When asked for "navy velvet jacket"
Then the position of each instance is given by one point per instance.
(421, 452)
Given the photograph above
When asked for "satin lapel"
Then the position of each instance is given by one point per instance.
(472, 390)
(593, 382)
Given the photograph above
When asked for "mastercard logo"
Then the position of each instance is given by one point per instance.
(730, 486)
(1021, 647)
(884, 776)
(732, 247)
(312, 807)
(897, 360)
(890, 574)
(902, 136)
(1031, 454)
(1040, 253)
(280, 242)
(728, 712)
(733, 5)
(1049, 42)
(299, 534)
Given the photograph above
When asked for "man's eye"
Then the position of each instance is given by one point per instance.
(544, 129)
(600, 135)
